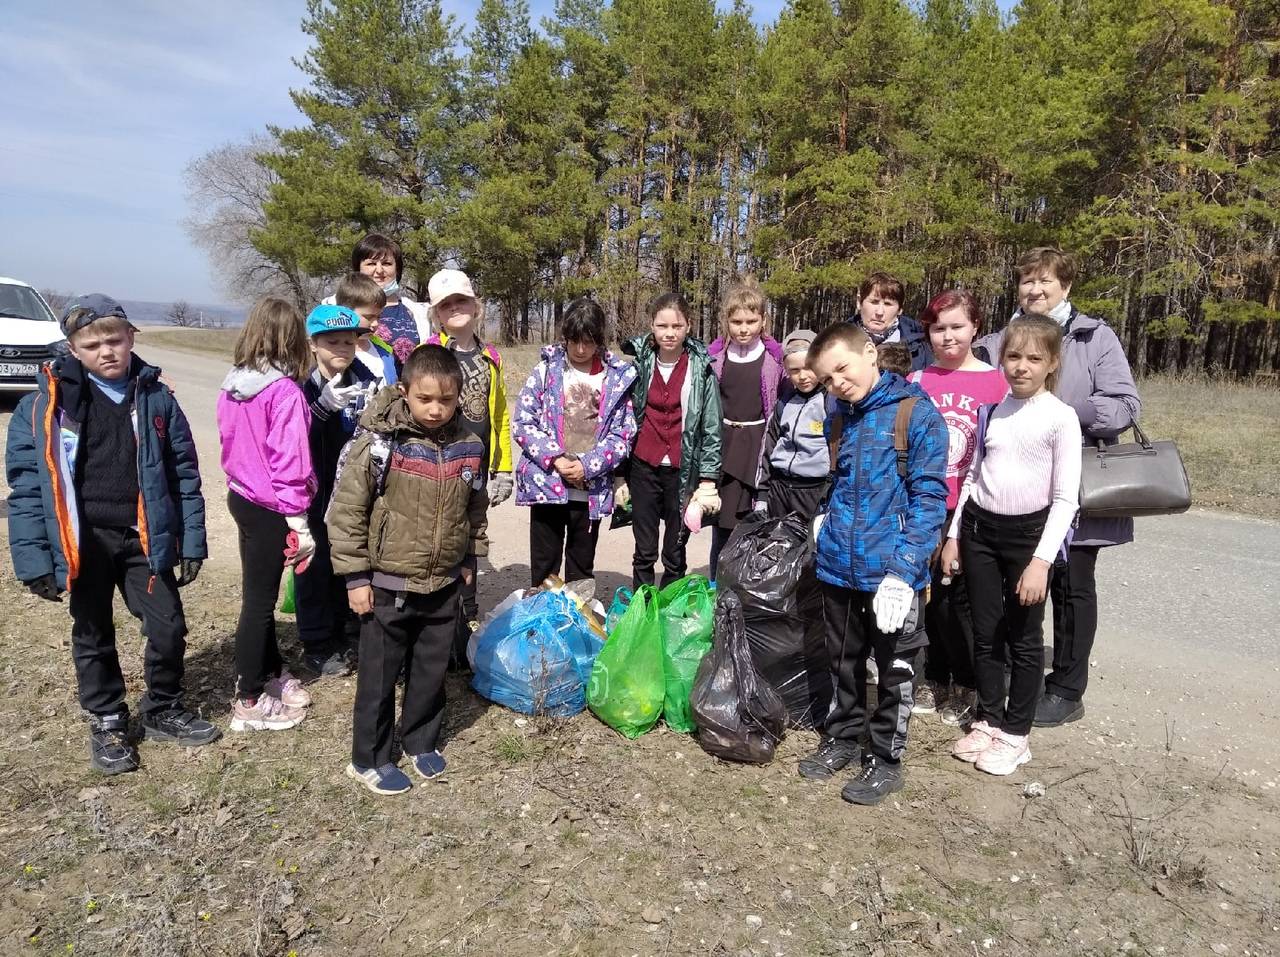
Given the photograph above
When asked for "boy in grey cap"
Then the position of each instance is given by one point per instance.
(105, 496)
(795, 466)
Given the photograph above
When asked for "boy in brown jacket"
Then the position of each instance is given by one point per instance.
(408, 514)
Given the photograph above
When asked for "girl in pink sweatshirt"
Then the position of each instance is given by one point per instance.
(1015, 510)
(263, 422)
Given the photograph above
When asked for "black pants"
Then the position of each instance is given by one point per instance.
(567, 530)
(788, 494)
(410, 633)
(994, 551)
(1074, 588)
(655, 498)
(468, 611)
(262, 541)
(950, 626)
(852, 635)
(325, 621)
(110, 559)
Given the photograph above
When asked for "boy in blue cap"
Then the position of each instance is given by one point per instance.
(105, 495)
(338, 388)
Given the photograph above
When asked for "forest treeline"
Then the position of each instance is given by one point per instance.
(647, 145)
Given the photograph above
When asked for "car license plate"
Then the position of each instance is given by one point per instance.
(18, 368)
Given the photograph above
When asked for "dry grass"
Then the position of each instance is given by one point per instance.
(1228, 433)
(206, 342)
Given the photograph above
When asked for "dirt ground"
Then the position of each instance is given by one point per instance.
(560, 837)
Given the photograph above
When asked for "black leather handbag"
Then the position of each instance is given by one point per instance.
(1133, 479)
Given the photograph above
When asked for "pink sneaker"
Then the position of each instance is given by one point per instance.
(975, 742)
(289, 690)
(1007, 753)
(268, 713)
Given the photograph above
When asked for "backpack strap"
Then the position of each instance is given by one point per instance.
(901, 422)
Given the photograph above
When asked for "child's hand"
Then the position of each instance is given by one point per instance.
(468, 575)
(570, 470)
(1033, 584)
(949, 561)
(361, 599)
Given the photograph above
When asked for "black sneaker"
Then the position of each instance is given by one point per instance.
(111, 750)
(876, 781)
(832, 755)
(328, 664)
(179, 726)
(1054, 710)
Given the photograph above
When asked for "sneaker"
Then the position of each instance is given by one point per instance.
(876, 781)
(328, 664)
(289, 690)
(1054, 710)
(971, 746)
(429, 765)
(387, 779)
(929, 696)
(110, 749)
(179, 726)
(959, 708)
(268, 713)
(832, 755)
(1007, 753)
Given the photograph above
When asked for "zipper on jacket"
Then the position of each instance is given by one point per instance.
(53, 462)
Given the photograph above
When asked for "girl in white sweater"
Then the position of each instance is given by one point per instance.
(1014, 513)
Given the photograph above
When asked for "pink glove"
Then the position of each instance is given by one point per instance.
(693, 517)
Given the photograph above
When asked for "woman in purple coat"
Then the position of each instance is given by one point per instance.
(1096, 381)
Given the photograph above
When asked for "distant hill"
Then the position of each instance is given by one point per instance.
(153, 313)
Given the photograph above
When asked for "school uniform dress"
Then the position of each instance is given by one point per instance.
(743, 435)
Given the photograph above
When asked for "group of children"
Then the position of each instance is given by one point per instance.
(362, 449)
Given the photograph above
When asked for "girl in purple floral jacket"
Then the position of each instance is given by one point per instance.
(574, 423)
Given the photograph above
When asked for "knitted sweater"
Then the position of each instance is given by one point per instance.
(1029, 460)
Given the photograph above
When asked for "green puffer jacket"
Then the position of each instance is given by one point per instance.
(429, 516)
(700, 439)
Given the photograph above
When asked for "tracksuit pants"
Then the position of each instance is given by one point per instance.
(655, 501)
(562, 530)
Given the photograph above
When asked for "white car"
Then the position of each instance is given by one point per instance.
(30, 335)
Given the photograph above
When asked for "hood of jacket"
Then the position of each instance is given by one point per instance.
(643, 346)
(244, 382)
(389, 412)
(73, 379)
(891, 388)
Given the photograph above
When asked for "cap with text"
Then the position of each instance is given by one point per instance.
(329, 318)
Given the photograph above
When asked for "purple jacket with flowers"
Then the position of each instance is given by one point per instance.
(539, 431)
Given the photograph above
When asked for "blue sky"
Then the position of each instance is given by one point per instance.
(102, 106)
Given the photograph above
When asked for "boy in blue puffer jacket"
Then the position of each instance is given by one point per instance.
(105, 494)
(887, 505)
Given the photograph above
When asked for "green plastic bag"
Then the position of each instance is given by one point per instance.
(627, 685)
(289, 605)
(687, 611)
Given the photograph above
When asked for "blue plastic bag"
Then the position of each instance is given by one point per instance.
(535, 657)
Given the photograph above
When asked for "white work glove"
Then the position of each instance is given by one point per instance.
(708, 498)
(891, 604)
(336, 397)
(760, 507)
(621, 495)
(500, 488)
(299, 545)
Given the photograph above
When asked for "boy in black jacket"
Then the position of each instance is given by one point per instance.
(337, 389)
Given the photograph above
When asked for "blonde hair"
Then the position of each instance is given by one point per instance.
(1044, 333)
(103, 327)
(274, 335)
(358, 291)
(745, 295)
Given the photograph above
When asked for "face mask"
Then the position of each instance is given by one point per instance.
(392, 288)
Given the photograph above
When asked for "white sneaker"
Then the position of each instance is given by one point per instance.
(1007, 753)
(268, 713)
(972, 745)
(289, 690)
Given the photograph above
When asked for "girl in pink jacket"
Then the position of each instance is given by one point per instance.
(263, 422)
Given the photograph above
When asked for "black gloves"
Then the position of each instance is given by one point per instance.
(46, 587)
(189, 570)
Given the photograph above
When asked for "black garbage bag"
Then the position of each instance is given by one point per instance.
(769, 564)
(738, 716)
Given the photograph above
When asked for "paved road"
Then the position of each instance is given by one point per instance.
(1188, 650)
